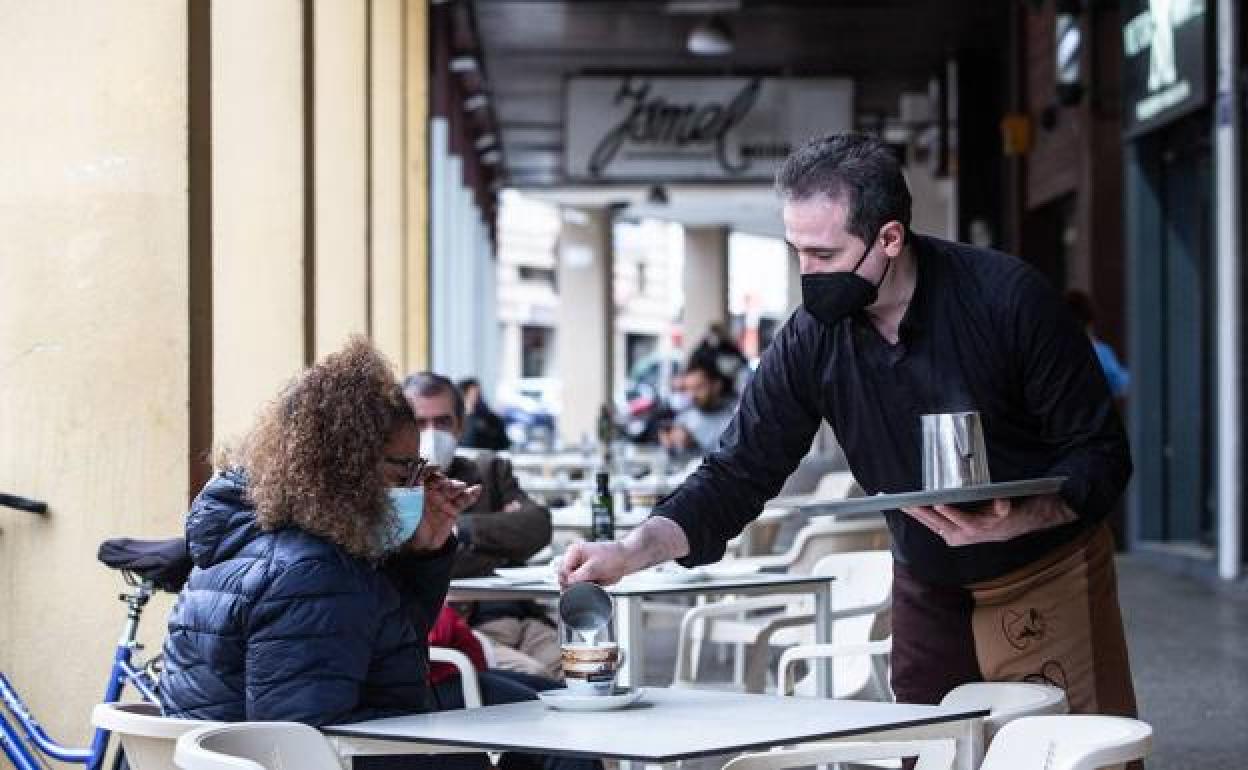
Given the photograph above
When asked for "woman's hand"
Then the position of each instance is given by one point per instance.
(445, 499)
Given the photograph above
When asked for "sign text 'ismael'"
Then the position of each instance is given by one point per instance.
(682, 128)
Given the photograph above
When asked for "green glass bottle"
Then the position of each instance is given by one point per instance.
(602, 508)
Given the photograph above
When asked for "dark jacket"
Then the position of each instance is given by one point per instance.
(287, 626)
(491, 537)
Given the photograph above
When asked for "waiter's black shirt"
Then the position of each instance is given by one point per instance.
(983, 332)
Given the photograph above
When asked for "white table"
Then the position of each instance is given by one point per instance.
(673, 725)
(630, 592)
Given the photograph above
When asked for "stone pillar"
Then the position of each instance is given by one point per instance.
(340, 172)
(258, 203)
(706, 281)
(586, 319)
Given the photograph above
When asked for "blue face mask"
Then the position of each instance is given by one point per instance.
(409, 509)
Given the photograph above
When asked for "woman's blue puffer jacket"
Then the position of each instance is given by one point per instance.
(287, 626)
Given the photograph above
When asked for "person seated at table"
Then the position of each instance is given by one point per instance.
(318, 569)
(483, 429)
(696, 430)
(505, 528)
(497, 687)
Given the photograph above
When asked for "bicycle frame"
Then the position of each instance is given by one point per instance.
(123, 672)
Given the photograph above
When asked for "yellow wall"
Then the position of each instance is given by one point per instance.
(93, 327)
(146, 155)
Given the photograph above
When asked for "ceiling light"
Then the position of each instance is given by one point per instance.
(476, 102)
(710, 37)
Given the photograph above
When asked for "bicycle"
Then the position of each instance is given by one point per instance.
(147, 566)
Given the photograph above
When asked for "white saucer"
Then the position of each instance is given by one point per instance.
(565, 700)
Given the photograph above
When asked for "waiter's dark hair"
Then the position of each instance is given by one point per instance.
(431, 384)
(863, 170)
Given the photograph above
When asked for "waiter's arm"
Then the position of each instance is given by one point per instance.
(768, 437)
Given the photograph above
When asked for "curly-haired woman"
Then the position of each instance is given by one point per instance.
(318, 570)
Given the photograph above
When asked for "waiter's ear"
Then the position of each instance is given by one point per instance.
(893, 238)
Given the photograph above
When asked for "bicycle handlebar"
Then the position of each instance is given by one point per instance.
(23, 503)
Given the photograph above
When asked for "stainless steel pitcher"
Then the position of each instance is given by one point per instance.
(953, 451)
(585, 608)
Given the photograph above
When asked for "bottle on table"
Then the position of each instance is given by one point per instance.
(602, 510)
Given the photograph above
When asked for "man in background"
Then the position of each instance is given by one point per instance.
(504, 529)
(697, 429)
(483, 429)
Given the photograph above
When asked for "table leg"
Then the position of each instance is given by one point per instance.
(632, 640)
(823, 635)
(969, 753)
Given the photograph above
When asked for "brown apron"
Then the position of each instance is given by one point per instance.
(1055, 621)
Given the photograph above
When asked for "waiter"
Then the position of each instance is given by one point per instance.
(895, 325)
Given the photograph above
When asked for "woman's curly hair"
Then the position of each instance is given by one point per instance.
(313, 458)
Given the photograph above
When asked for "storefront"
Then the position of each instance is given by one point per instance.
(1183, 419)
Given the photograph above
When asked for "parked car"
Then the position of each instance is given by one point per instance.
(530, 409)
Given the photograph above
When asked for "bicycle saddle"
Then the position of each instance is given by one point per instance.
(164, 562)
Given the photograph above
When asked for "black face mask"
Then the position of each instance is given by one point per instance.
(830, 297)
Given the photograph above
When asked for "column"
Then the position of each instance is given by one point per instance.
(706, 281)
(340, 172)
(1230, 382)
(386, 212)
(586, 319)
(259, 334)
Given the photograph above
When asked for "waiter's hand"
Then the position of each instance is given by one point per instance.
(995, 521)
(602, 563)
(656, 540)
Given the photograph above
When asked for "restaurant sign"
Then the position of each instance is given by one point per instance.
(666, 129)
(1165, 48)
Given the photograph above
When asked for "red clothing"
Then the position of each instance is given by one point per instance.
(450, 630)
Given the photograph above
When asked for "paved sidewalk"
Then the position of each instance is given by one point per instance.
(1189, 655)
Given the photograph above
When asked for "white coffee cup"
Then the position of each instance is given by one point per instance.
(591, 669)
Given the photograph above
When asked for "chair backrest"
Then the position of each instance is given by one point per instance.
(147, 737)
(1008, 701)
(836, 485)
(826, 535)
(863, 579)
(256, 746)
(1071, 742)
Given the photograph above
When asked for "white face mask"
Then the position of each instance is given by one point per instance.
(438, 447)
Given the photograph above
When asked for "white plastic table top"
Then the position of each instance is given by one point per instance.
(667, 726)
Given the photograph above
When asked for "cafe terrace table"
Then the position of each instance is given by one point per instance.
(671, 725)
(631, 591)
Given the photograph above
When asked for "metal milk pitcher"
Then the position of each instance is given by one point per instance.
(953, 451)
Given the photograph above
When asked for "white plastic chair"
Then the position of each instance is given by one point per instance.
(823, 535)
(467, 673)
(146, 736)
(487, 647)
(1007, 701)
(1070, 742)
(861, 594)
(255, 746)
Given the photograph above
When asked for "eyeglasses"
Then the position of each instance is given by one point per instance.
(410, 467)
